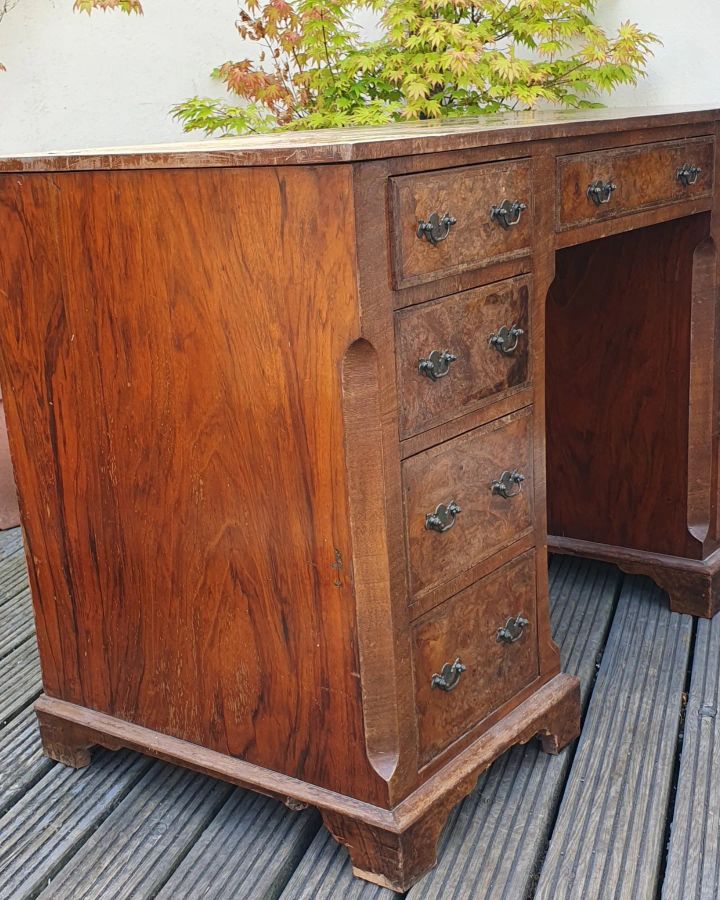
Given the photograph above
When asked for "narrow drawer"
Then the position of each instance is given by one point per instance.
(474, 653)
(471, 473)
(608, 183)
(425, 246)
(456, 352)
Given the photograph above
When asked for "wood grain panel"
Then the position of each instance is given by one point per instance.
(171, 372)
(644, 177)
(463, 470)
(461, 324)
(468, 194)
(465, 628)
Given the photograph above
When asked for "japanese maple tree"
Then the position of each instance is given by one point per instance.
(435, 58)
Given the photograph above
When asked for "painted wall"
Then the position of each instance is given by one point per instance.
(74, 81)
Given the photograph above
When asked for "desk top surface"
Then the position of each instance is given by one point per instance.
(356, 144)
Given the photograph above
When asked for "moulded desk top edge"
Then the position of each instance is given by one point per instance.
(358, 144)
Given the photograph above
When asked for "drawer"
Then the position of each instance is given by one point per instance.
(425, 247)
(467, 473)
(643, 177)
(474, 653)
(456, 352)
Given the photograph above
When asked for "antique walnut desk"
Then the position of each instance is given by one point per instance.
(277, 410)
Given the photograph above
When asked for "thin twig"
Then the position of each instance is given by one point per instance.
(327, 51)
(6, 6)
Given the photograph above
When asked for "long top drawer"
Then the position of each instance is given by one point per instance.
(608, 183)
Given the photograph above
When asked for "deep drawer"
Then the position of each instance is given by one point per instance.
(466, 195)
(456, 352)
(608, 183)
(467, 473)
(474, 653)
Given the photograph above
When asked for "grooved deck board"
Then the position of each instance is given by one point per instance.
(11, 544)
(141, 842)
(493, 841)
(693, 868)
(325, 873)
(16, 621)
(247, 852)
(13, 577)
(19, 678)
(608, 840)
(56, 816)
(21, 759)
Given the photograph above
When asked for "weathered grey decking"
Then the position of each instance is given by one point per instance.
(633, 811)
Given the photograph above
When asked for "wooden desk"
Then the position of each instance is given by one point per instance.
(277, 409)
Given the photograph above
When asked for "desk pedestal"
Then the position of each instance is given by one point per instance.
(632, 407)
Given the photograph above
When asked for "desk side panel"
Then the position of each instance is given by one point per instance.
(172, 347)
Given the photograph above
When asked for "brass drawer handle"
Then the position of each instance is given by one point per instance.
(512, 630)
(443, 518)
(601, 192)
(509, 484)
(508, 213)
(688, 174)
(437, 364)
(505, 340)
(449, 676)
(436, 229)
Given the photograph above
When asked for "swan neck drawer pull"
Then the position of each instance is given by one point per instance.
(509, 484)
(437, 364)
(512, 630)
(436, 228)
(505, 340)
(601, 192)
(688, 174)
(443, 518)
(508, 213)
(448, 677)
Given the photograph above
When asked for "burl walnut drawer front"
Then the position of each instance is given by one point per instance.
(447, 222)
(467, 498)
(456, 352)
(608, 183)
(474, 653)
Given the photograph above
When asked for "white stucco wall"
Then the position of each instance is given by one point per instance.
(76, 81)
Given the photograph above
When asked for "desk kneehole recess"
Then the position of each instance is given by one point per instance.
(277, 410)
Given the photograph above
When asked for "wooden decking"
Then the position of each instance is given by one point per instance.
(632, 811)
